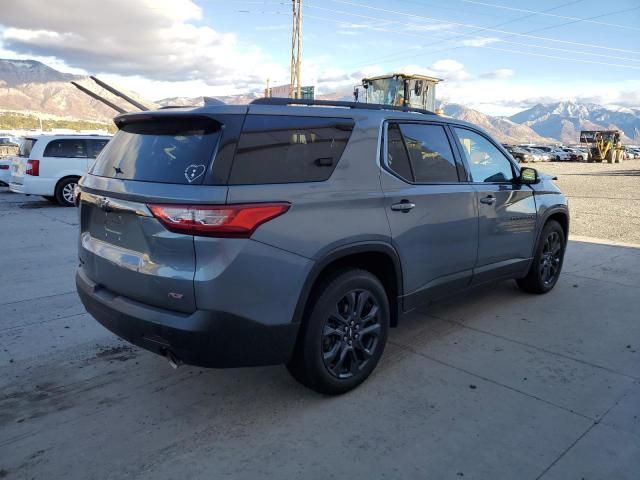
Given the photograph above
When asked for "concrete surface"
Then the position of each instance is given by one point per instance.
(495, 384)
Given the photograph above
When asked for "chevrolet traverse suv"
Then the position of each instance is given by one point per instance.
(299, 232)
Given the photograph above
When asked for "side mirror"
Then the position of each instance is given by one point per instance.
(528, 176)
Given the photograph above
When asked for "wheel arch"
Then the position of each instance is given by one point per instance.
(379, 258)
(66, 177)
(559, 213)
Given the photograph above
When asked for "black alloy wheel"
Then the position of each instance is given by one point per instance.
(547, 261)
(351, 334)
(551, 258)
(344, 332)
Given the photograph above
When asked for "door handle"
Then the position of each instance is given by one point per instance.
(403, 206)
(488, 200)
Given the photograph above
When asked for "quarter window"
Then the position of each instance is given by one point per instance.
(486, 162)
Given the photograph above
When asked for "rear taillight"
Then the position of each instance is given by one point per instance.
(238, 221)
(33, 168)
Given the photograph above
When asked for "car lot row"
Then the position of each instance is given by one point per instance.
(551, 153)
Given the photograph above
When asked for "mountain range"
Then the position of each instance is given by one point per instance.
(31, 86)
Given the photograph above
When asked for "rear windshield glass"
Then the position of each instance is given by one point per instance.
(289, 149)
(26, 146)
(171, 150)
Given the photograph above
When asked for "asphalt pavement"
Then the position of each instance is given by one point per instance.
(494, 384)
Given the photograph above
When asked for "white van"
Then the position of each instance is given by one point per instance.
(51, 165)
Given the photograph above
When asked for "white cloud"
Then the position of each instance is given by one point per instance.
(500, 73)
(159, 40)
(480, 41)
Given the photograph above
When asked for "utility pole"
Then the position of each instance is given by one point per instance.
(296, 50)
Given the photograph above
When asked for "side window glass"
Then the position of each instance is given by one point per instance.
(486, 162)
(94, 147)
(68, 148)
(397, 156)
(430, 153)
(289, 149)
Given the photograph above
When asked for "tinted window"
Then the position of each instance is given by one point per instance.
(69, 148)
(26, 146)
(170, 150)
(430, 153)
(286, 149)
(397, 156)
(486, 162)
(94, 147)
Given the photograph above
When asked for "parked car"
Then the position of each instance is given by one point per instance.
(51, 165)
(536, 155)
(225, 236)
(5, 171)
(543, 155)
(633, 152)
(560, 155)
(519, 154)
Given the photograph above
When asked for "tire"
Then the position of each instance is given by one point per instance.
(610, 156)
(51, 199)
(64, 191)
(547, 261)
(332, 354)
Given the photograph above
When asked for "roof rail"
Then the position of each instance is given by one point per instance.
(336, 103)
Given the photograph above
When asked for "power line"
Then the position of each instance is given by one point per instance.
(491, 39)
(395, 58)
(546, 14)
(467, 25)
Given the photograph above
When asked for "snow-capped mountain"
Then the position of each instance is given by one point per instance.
(503, 129)
(564, 120)
(28, 85)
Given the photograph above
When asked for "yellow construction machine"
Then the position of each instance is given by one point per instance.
(400, 90)
(603, 145)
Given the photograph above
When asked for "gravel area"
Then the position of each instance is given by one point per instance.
(604, 198)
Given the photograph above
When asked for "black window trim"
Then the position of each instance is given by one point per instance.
(454, 151)
(515, 168)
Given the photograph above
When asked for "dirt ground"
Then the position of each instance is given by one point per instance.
(604, 198)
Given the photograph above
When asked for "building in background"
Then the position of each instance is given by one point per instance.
(282, 91)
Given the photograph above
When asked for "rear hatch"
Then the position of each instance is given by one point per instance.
(19, 164)
(154, 159)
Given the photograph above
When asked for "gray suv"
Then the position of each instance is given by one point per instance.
(228, 236)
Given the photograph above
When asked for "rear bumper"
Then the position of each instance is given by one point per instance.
(34, 186)
(203, 338)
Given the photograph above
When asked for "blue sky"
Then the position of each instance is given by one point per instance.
(494, 55)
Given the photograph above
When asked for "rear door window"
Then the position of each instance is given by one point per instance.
(68, 148)
(421, 153)
(94, 147)
(289, 149)
(167, 150)
(26, 146)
